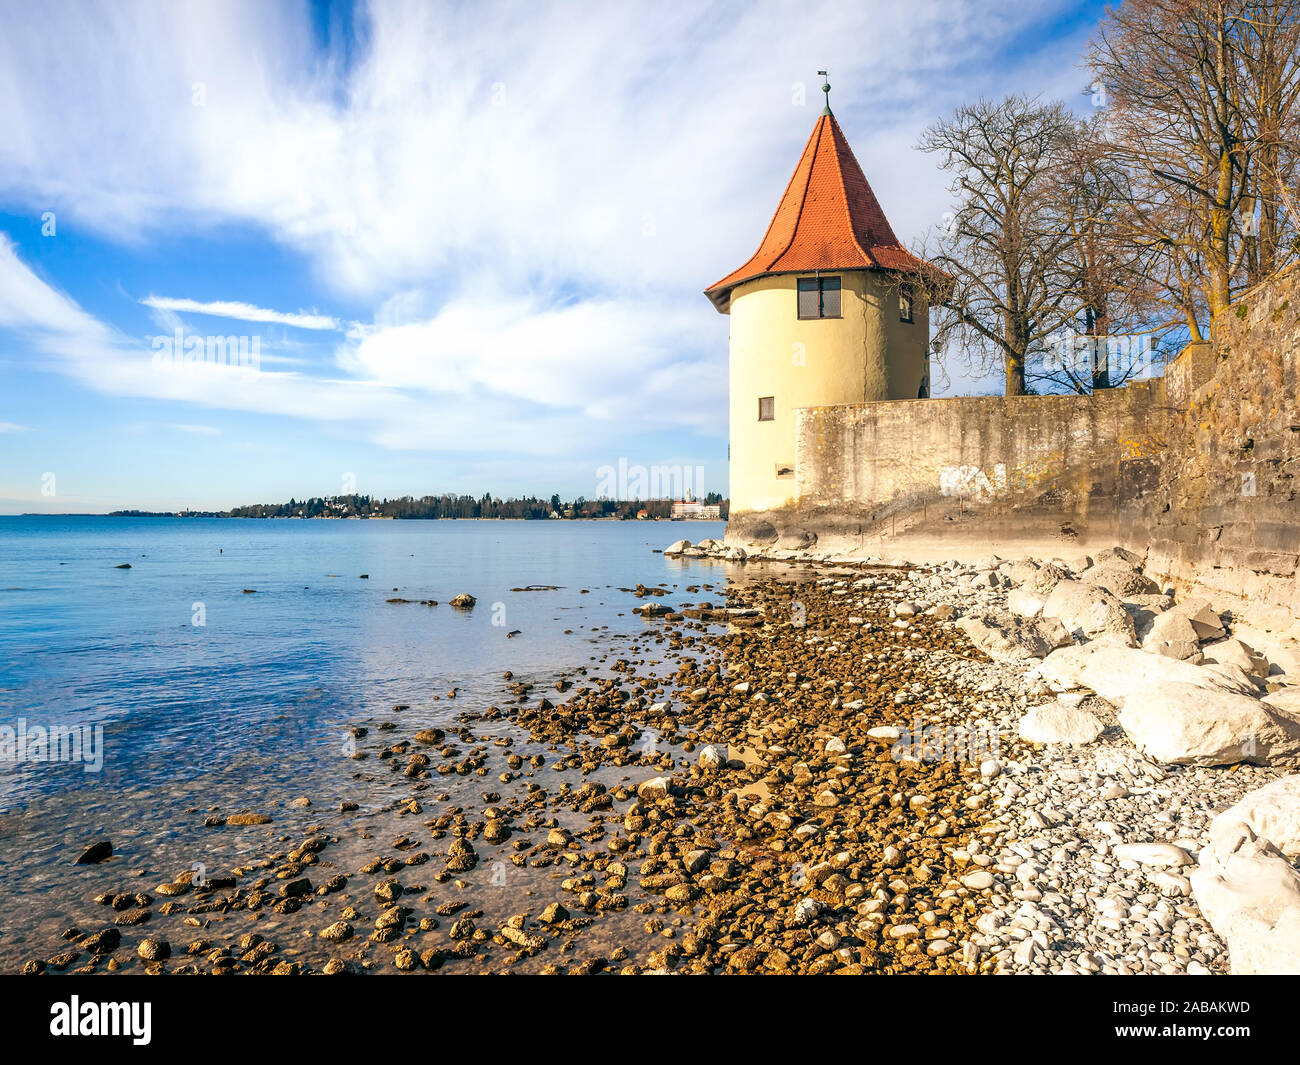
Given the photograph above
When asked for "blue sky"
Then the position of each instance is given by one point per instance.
(469, 240)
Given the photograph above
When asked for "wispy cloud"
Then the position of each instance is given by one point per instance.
(197, 430)
(14, 427)
(245, 312)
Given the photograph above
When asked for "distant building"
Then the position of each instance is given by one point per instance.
(695, 510)
(821, 315)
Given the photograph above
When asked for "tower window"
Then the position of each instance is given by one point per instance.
(905, 303)
(819, 297)
(767, 408)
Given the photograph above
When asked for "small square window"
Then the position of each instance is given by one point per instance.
(819, 297)
(767, 408)
(905, 303)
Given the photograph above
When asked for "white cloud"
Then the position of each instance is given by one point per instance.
(245, 312)
(610, 147)
(380, 388)
(13, 427)
(197, 430)
(531, 197)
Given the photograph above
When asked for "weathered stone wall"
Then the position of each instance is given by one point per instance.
(1225, 514)
(1198, 470)
(1055, 458)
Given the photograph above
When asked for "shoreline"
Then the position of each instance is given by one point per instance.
(734, 788)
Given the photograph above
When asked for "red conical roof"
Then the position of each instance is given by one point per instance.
(828, 219)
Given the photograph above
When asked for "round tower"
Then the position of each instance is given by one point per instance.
(821, 314)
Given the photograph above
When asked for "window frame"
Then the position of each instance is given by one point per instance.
(906, 298)
(820, 282)
(771, 417)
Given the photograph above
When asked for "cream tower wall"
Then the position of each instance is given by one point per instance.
(866, 354)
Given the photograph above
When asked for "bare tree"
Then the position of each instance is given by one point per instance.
(1202, 103)
(1003, 248)
(1116, 320)
(1268, 47)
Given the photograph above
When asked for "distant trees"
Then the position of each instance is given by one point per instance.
(463, 506)
(1071, 239)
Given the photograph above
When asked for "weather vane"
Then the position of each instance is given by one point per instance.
(826, 88)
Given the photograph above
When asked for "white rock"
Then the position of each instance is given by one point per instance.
(1115, 672)
(1272, 813)
(1172, 635)
(1157, 855)
(711, 758)
(1091, 610)
(1119, 578)
(655, 788)
(887, 733)
(1172, 883)
(1006, 638)
(677, 547)
(1184, 724)
(1025, 603)
(1234, 652)
(979, 880)
(1286, 699)
(1058, 723)
(1250, 894)
(835, 745)
(1204, 618)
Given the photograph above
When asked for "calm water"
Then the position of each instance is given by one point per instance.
(250, 706)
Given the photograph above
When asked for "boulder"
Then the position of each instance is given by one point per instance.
(1186, 724)
(1044, 579)
(1119, 578)
(1172, 635)
(1120, 554)
(1058, 723)
(1116, 672)
(1092, 610)
(1025, 603)
(677, 547)
(1006, 638)
(1234, 652)
(1250, 894)
(1285, 699)
(1205, 620)
(1271, 812)
(1021, 572)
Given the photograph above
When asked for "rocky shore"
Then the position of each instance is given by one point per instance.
(816, 765)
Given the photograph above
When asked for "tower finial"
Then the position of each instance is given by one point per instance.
(826, 88)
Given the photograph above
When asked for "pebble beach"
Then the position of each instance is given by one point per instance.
(802, 765)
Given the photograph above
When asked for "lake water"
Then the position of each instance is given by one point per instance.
(213, 697)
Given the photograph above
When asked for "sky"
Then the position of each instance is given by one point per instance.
(463, 245)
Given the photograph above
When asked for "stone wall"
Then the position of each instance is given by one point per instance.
(1225, 514)
(1053, 460)
(1198, 469)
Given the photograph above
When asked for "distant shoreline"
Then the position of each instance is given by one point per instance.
(294, 517)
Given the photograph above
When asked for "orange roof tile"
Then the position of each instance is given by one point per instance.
(828, 219)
